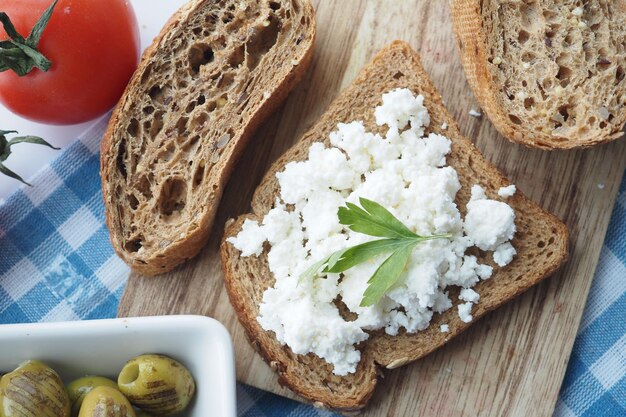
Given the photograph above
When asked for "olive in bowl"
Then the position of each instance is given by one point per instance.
(105, 401)
(33, 389)
(79, 388)
(157, 384)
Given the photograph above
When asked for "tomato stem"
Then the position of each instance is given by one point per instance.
(20, 54)
(5, 150)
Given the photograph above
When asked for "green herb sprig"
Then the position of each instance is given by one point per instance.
(398, 241)
(5, 150)
(20, 54)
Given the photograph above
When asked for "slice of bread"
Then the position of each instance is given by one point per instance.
(541, 243)
(549, 74)
(213, 74)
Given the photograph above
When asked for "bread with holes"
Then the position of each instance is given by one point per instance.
(541, 243)
(212, 75)
(549, 74)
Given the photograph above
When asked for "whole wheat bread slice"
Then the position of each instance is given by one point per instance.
(549, 74)
(541, 243)
(213, 74)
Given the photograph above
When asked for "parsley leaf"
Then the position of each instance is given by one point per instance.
(374, 220)
(364, 252)
(387, 275)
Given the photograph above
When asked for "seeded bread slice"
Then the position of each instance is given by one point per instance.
(212, 75)
(549, 74)
(541, 243)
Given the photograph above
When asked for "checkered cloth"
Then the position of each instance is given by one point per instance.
(595, 382)
(56, 263)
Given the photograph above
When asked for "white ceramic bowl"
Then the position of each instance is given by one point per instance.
(102, 347)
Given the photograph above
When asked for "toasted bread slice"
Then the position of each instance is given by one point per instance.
(549, 74)
(213, 74)
(541, 243)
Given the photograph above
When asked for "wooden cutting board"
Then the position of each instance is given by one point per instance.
(512, 362)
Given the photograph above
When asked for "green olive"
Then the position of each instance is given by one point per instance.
(157, 384)
(104, 401)
(33, 390)
(80, 387)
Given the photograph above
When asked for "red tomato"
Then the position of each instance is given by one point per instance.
(94, 49)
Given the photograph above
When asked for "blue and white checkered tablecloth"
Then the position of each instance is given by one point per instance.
(56, 263)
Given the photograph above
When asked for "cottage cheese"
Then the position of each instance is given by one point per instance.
(406, 172)
(488, 223)
(465, 312)
(468, 294)
(506, 192)
(503, 255)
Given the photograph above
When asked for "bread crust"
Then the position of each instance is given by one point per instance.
(184, 249)
(472, 41)
(247, 278)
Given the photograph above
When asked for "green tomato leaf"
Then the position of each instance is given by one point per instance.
(9, 28)
(387, 275)
(21, 55)
(36, 58)
(14, 59)
(6, 44)
(31, 139)
(5, 150)
(6, 171)
(35, 34)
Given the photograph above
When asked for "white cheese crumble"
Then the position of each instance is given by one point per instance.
(506, 192)
(444, 328)
(406, 172)
(475, 113)
(250, 240)
(444, 126)
(468, 294)
(488, 223)
(503, 255)
(465, 312)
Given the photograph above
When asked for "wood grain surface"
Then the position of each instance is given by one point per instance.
(512, 362)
